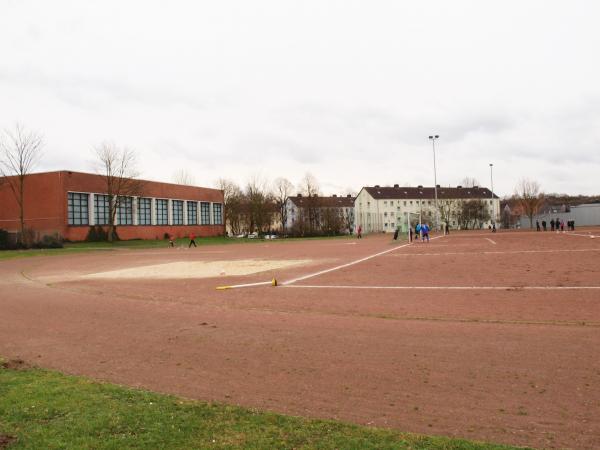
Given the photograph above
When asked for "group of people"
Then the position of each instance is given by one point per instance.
(192, 240)
(555, 225)
(420, 230)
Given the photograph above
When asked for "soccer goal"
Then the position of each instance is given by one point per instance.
(412, 219)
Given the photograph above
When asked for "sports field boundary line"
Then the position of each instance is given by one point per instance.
(504, 252)
(457, 288)
(490, 240)
(582, 235)
(343, 266)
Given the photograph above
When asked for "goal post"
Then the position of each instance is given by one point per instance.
(412, 218)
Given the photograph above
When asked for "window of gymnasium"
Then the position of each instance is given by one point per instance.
(145, 211)
(385, 203)
(204, 213)
(101, 209)
(125, 211)
(217, 213)
(177, 206)
(162, 211)
(405, 203)
(192, 210)
(77, 208)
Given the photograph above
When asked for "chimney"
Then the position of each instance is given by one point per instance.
(377, 186)
(420, 186)
(458, 187)
(396, 186)
(349, 195)
(299, 195)
(437, 186)
(475, 187)
(334, 195)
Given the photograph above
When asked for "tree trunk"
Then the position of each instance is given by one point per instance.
(22, 207)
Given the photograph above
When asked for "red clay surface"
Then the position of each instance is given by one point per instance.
(512, 365)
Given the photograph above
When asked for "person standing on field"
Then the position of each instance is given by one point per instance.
(359, 232)
(537, 225)
(425, 231)
(192, 240)
(544, 225)
(551, 224)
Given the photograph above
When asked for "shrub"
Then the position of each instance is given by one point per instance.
(96, 234)
(4, 242)
(49, 241)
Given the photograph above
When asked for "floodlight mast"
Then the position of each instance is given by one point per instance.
(492, 193)
(437, 212)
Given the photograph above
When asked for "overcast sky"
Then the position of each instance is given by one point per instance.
(346, 90)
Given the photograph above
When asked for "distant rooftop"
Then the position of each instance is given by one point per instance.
(325, 201)
(398, 192)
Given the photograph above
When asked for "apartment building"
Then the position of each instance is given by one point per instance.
(384, 209)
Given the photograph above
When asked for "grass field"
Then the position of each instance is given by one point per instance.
(45, 409)
(79, 247)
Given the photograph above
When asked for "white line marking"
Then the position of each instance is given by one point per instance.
(235, 286)
(500, 252)
(583, 235)
(488, 239)
(343, 266)
(499, 288)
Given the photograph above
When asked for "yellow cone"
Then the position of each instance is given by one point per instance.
(273, 282)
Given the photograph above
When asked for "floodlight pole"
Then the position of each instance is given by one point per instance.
(492, 195)
(437, 212)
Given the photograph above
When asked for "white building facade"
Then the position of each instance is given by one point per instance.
(385, 209)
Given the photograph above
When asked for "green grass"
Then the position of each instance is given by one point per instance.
(79, 247)
(45, 409)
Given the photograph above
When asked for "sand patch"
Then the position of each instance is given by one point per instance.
(200, 269)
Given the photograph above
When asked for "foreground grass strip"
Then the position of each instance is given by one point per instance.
(44, 409)
(82, 247)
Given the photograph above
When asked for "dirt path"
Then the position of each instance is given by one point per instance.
(513, 366)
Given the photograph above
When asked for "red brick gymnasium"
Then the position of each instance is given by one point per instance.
(68, 203)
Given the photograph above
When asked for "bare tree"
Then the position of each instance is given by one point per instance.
(529, 197)
(449, 210)
(20, 150)
(472, 213)
(309, 186)
(233, 204)
(282, 188)
(469, 182)
(184, 177)
(118, 166)
(260, 206)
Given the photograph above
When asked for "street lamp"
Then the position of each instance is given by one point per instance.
(492, 193)
(437, 219)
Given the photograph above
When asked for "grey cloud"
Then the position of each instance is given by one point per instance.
(87, 93)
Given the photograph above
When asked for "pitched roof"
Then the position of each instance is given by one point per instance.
(399, 192)
(324, 202)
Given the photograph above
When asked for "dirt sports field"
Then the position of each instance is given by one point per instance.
(485, 336)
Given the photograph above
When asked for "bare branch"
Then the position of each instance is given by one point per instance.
(118, 166)
(20, 151)
(529, 197)
(183, 177)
